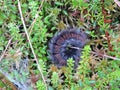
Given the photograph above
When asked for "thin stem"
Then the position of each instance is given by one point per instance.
(5, 49)
(75, 47)
(28, 37)
(104, 55)
(36, 16)
(117, 2)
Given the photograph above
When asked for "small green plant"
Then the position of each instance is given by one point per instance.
(40, 85)
(55, 79)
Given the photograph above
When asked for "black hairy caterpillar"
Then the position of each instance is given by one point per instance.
(67, 44)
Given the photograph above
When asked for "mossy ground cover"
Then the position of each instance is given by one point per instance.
(99, 68)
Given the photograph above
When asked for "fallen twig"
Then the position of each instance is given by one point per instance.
(28, 37)
(104, 55)
(5, 49)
